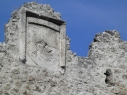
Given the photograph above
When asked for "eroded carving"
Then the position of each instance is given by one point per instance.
(42, 46)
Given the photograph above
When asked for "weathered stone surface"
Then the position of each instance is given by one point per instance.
(36, 59)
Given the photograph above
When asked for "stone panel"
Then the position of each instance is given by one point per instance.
(42, 45)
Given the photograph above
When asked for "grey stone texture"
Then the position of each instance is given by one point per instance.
(36, 59)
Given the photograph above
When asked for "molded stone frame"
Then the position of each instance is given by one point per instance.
(23, 34)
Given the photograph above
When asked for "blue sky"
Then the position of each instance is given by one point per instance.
(84, 18)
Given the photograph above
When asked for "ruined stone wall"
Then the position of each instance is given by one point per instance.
(108, 52)
(103, 72)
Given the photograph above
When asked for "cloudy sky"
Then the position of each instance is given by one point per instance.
(84, 18)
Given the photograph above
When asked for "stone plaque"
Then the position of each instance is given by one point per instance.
(42, 40)
(42, 43)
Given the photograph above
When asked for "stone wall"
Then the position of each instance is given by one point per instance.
(2, 51)
(103, 72)
(108, 52)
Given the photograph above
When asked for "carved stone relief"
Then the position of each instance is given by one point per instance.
(43, 42)
(42, 45)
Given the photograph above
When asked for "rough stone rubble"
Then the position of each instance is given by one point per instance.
(103, 72)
